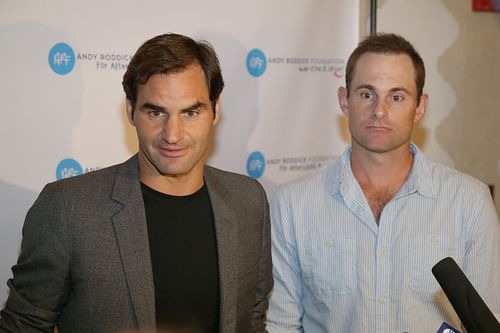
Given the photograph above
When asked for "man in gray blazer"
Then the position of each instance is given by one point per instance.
(160, 242)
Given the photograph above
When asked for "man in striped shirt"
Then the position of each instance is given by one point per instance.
(354, 243)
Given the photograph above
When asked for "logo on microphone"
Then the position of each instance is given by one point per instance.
(447, 328)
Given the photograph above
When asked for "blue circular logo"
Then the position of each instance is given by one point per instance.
(61, 58)
(256, 164)
(68, 168)
(256, 62)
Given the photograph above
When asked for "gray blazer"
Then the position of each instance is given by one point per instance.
(85, 263)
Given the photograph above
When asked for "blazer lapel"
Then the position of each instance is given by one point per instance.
(132, 238)
(226, 232)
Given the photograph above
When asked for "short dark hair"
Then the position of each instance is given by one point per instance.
(172, 53)
(387, 43)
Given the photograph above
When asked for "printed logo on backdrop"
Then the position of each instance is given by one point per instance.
(70, 167)
(61, 58)
(257, 63)
(256, 164)
(106, 61)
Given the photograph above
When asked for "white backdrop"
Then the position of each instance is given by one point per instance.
(62, 107)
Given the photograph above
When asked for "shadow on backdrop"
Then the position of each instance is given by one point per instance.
(39, 110)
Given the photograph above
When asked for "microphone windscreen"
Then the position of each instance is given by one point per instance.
(470, 307)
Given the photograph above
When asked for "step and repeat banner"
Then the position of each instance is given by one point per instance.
(62, 108)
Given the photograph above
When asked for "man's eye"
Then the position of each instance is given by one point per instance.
(155, 113)
(190, 114)
(366, 95)
(397, 98)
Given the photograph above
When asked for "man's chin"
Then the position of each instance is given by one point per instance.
(378, 147)
(384, 148)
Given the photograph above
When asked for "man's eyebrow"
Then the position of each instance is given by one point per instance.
(195, 106)
(392, 90)
(365, 86)
(152, 106)
(403, 89)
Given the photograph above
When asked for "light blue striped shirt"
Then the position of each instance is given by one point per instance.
(335, 270)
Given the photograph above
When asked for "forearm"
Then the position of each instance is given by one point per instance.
(265, 281)
(482, 258)
(40, 281)
(19, 315)
(285, 307)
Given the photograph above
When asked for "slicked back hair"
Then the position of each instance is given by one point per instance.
(172, 53)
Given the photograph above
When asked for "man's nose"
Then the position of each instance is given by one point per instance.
(379, 110)
(172, 131)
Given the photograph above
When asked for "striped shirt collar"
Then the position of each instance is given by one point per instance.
(420, 179)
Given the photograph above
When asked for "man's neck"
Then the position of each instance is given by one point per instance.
(173, 185)
(387, 169)
(380, 175)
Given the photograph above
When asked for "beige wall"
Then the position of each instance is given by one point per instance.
(461, 49)
(472, 67)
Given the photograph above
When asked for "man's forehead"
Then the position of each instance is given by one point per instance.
(373, 68)
(385, 62)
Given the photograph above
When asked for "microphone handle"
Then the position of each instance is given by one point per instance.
(470, 307)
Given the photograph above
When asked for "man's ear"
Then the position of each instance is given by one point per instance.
(421, 108)
(130, 112)
(343, 100)
(216, 110)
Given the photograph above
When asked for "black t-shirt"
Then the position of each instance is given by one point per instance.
(183, 249)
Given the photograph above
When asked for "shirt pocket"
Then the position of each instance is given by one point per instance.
(425, 252)
(331, 265)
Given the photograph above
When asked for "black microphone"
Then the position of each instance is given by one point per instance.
(470, 307)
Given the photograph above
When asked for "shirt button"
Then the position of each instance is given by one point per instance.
(382, 253)
(382, 300)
